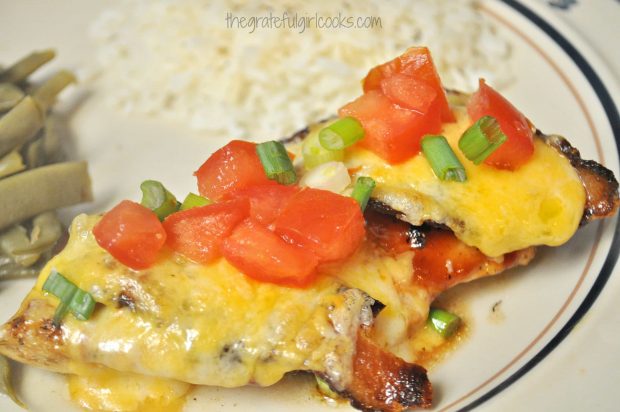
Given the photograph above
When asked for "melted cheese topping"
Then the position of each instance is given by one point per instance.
(101, 389)
(497, 211)
(202, 324)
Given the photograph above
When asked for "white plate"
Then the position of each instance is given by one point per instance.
(502, 365)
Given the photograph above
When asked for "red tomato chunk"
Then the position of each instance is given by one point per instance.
(391, 132)
(267, 201)
(197, 233)
(329, 225)
(263, 255)
(519, 146)
(131, 233)
(417, 63)
(231, 168)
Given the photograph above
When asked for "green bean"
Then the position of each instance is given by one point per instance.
(20, 71)
(10, 95)
(15, 239)
(11, 163)
(20, 124)
(46, 94)
(46, 230)
(46, 188)
(11, 270)
(6, 386)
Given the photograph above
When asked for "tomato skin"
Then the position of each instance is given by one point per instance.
(263, 255)
(330, 225)
(231, 168)
(267, 201)
(131, 233)
(519, 147)
(392, 132)
(415, 62)
(197, 233)
(408, 92)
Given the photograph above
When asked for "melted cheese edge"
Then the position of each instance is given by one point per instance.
(201, 324)
(497, 211)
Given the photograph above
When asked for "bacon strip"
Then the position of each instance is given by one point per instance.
(384, 382)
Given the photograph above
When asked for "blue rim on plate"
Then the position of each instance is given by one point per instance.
(611, 111)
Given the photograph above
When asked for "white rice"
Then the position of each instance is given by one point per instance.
(177, 59)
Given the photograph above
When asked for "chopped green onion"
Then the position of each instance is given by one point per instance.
(277, 164)
(445, 323)
(314, 154)
(482, 139)
(324, 388)
(362, 190)
(157, 198)
(442, 159)
(72, 298)
(82, 305)
(193, 200)
(341, 134)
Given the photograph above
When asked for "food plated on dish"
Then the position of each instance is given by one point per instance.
(322, 254)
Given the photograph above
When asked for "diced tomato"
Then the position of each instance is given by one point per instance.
(197, 233)
(267, 201)
(408, 92)
(265, 256)
(233, 167)
(131, 233)
(392, 132)
(330, 225)
(519, 146)
(415, 62)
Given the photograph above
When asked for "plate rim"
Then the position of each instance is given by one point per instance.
(600, 89)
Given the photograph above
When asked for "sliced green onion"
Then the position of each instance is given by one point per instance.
(362, 190)
(445, 323)
(193, 200)
(314, 154)
(442, 159)
(482, 139)
(72, 298)
(341, 134)
(324, 388)
(277, 164)
(157, 198)
(82, 305)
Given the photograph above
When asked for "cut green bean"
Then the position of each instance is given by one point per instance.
(23, 68)
(20, 124)
(193, 200)
(14, 242)
(6, 384)
(11, 163)
(10, 95)
(157, 198)
(29, 193)
(46, 230)
(46, 94)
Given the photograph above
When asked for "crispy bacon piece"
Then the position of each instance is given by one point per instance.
(384, 382)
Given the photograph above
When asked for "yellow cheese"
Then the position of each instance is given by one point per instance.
(497, 211)
(201, 324)
(101, 389)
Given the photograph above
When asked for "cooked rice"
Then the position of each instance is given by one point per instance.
(178, 59)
